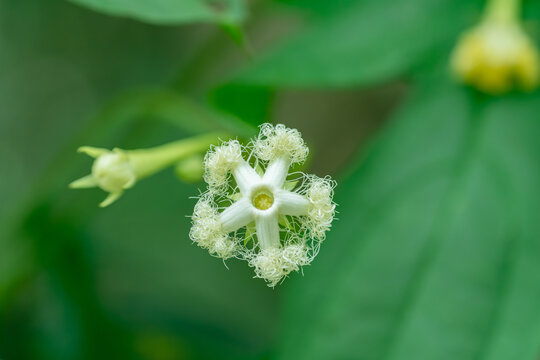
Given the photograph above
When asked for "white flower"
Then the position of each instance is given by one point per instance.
(259, 218)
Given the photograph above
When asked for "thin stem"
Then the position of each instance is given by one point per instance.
(149, 161)
(503, 10)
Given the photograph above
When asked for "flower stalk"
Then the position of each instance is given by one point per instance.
(503, 10)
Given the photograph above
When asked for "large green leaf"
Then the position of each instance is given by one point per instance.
(437, 251)
(368, 42)
(171, 11)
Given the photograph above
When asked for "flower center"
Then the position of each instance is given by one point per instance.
(263, 200)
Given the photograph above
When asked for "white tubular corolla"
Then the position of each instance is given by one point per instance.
(249, 211)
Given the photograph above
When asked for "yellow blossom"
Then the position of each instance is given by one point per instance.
(497, 55)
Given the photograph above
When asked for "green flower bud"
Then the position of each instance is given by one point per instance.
(191, 169)
(113, 172)
(117, 170)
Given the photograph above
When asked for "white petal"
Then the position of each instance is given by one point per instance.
(237, 215)
(276, 172)
(245, 177)
(291, 203)
(267, 228)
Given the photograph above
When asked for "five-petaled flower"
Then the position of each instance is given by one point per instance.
(261, 218)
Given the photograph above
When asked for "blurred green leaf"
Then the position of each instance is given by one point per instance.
(60, 250)
(15, 263)
(321, 8)
(366, 43)
(252, 104)
(175, 108)
(171, 12)
(237, 34)
(436, 254)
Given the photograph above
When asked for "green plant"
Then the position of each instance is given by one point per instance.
(435, 252)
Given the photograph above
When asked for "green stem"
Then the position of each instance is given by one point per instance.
(147, 162)
(503, 10)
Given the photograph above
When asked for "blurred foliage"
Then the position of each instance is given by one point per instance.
(444, 257)
(171, 11)
(377, 41)
(436, 251)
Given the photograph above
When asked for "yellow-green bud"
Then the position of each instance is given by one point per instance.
(113, 172)
(497, 55)
(117, 170)
(191, 169)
